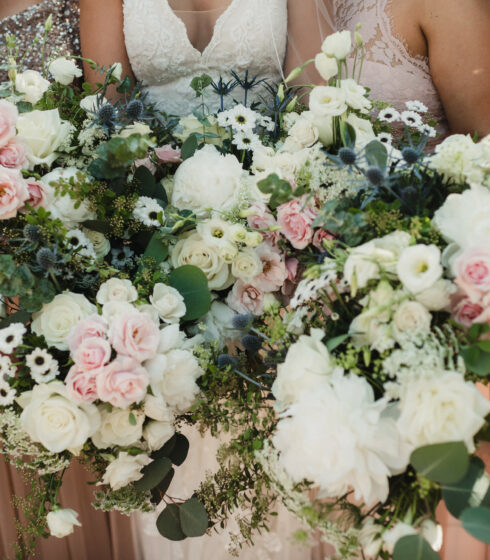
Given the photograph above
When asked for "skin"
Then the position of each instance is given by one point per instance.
(11, 7)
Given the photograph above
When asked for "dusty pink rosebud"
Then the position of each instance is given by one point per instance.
(14, 154)
(8, 119)
(295, 219)
(123, 382)
(167, 154)
(464, 310)
(246, 298)
(13, 192)
(40, 195)
(92, 326)
(319, 236)
(146, 162)
(134, 334)
(82, 385)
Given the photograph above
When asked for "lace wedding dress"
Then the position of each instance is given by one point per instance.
(248, 35)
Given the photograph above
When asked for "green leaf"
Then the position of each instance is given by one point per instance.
(280, 190)
(414, 547)
(477, 522)
(124, 86)
(443, 462)
(160, 490)
(348, 134)
(167, 449)
(97, 225)
(153, 474)
(193, 518)
(335, 342)
(472, 491)
(192, 284)
(145, 182)
(156, 249)
(201, 82)
(180, 450)
(24, 107)
(376, 154)
(484, 345)
(19, 317)
(476, 360)
(132, 419)
(169, 525)
(189, 147)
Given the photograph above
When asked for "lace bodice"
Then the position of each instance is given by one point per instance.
(248, 35)
(389, 70)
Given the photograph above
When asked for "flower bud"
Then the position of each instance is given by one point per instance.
(294, 74)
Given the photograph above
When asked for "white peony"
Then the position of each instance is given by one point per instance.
(355, 95)
(339, 437)
(440, 409)
(43, 132)
(32, 85)
(307, 365)
(56, 319)
(412, 318)
(52, 419)
(116, 289)
(327, 101)
(208, 180)
(326, 66)
(338, 45)
(125, 469)
(64, 70)
(157, 434)
(419, 267)
(61, 522)
(168, 302)
(117, 429)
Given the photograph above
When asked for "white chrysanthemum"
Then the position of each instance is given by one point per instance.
(389, 115)
(242, 118)
(246, 140)
(337, 436)
(11, 337)
(78, 241)
(411, 118)
(43, 367)
(419, 267)
(148, 211)
(7, 393)
(416, 106)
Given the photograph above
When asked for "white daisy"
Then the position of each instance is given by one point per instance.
(411, 118)
(267, 123)
(7, 394)
(43, 367)
(389, 115)
(148, 211)
(385, 138)
(6, 369)
(428, 130)
(77, 240)
(416, 106)
(224, 119)
(11, 337)
(242, 118)
(246, 140)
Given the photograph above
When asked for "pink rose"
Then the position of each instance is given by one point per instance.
(146, 162)
(8, 119)
(320, 235)
(93, 352)
(472, 271)
(167, 154)
(122, 382)
(93, 326)
(246, 298)
(39, 194)
(135, 335)
(464, 311)
(295, 220)
(262, 220)
(82, 385)
(13, 192)
(14, 154)
(274, 271)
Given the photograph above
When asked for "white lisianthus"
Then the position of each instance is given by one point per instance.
(228, 252)
(338, 45)
(327, 101)
(247, 264)
(56, 319)
(168, 302)
(116, 289)
(237, 233)
(125, 469)
(52, 419)
(61, 522)
(43, 132)
(355, 95)
(32, 85)
(440, 409)
(363, 129)
(308, 364)
(367, 329)
(117, 71)
(64, 70)
(135, 128)
(207, 180)
(438, 296)
(326, 66)
(302, 134)
(412, 318)
(117, 429)
(157, 434)
(419, 267)
(100, 243)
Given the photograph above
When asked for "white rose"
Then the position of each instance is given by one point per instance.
(125, 469)
(156, 409)
(218, 323)
(52, 419)
(157, 434)
(168, 302)
(100, 243)
(363, 129)
(303, 134)
(207, 180)
(61, 522)
(419, 267)
(324, 125)
(338, 45)
(116, 289)
(193, 250)
(307, 364)
(32, 85)
(113, 309)
(117, 429)
(246, 265)
(412, 317)
(355, 95)
(136, 128)
(438, 296)
(64, 70)
(327, 101)
(56, 319)
(150, 311)
(43, 132)
(117, 70)
(326, 66)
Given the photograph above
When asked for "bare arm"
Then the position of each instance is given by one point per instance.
(102, 36)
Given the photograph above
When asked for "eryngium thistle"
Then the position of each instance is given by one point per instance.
(225, 360)
(347, 156)
(45, 258)
(241, 321)
(251, 343)
(107, 114)
(32, 233)
(375, 175)
(410, 155)
(135, 109)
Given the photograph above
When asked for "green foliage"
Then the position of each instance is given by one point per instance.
(376, 154)
(443, 462)
(192, 284)
(178, 521)
(153, 474)
(414, 547)
(189, 147)
(280, 190)
(347, 134)
(117, 155)
(476, 521)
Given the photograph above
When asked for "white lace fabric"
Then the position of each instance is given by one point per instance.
(248, 35)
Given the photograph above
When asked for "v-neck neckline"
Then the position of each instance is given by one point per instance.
(217, 26)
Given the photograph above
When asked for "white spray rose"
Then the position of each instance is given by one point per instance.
(64, 70)
(117, 429)
(327, 101)
(302, 134)
(412, 318)
(100, 243)
(157, 434)
(116, 289)
(168, 302)
(247, 264)
(338, 45)
(419, 267)
(125, 469)
(61, 522)
(326, 66)
(32, 85)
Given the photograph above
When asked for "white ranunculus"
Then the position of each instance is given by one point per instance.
(117, 289)
(136, 128)
(157, 434)
(100, 243)
(355, 95)
(363, 129)
(52, 419)
(117, 429)
(419, 267)
(302, 134)
(125, 469)
(326, 66)
(43, 133)
(440, 409)
(438, 296)
(247, 264)
(193, 250)
(338, 45)
(218, 323)
(208, 180)
(32, 85)
(412, 318)
(56, 319)
(64, 70)
(61, 522)
(168, 302)
(308, 364)
(327, 101)
(156, 409)
(339, 437)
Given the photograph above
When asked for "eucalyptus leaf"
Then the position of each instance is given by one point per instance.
(180, 450)
(156, 249)
(169, 525)
(160, 490)
(153, 474)
(443, 462)
(414, 547)
(476, 359)
(19, 317)
(376, 154)
(472, 491)
(193, 518)
(477, 522)
(192, 284)
(189, 147)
